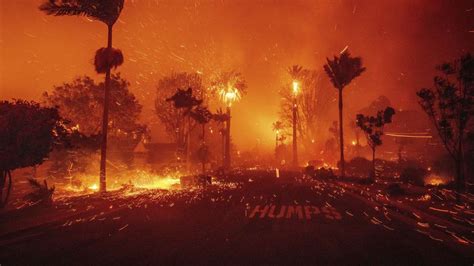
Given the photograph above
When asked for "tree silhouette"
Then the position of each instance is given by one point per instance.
(372, 126)
(173, 119)
(341, 71)
(184, 100)
(106, 11)
(84, 96)
(450, 106)
(221, 118)
(28, 132)
(202, 115)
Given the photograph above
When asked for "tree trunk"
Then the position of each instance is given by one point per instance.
(203, 144)
(341, 135)
(188, 144)
(373, 164)
(227, 161)
(3, 177)
(3, 182)
(295, 144)
(105, 120)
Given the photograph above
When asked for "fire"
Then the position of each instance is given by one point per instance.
(295, 87)
(436, 180)
(229, 95)
(141, 179)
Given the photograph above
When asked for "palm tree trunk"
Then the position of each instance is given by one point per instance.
(227, 143)
(341, 135)
(105, 120)
(295, 144)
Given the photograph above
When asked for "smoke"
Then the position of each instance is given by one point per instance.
(399, 41)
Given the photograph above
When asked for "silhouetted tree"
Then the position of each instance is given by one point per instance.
(172, 118)
(28, 132)
(81, 102)
(185, 100)
(202, 115)
(221, 118)
(450, 106)
(341, 71)
(373, 126)
(106, 11)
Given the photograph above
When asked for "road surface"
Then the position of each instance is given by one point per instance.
(260, 221)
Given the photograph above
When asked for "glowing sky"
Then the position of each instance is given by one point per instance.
(400, 41)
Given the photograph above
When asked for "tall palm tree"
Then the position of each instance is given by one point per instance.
(230, 86)
(106, 11)
(296, 72)
(341, 71)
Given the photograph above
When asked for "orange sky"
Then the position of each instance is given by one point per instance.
(400, 42)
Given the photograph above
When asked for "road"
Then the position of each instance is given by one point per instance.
(260, 221)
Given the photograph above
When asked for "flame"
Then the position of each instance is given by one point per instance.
(229, 95)
(295, 87)
(436, 180)
(138, 179)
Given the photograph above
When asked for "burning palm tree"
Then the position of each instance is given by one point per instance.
(106, 11)
(341, 71)
(230, 86)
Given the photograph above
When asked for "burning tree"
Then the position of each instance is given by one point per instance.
(313, 104)
(341, 71)
(106, 11)
(27, 135)
(450, 106)
(230, 86)
(373, 126)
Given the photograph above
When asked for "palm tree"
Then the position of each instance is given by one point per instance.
(221, 118)
(106, 11)
(202, 115)
(341, 71)
(230, 86)
(296, 72)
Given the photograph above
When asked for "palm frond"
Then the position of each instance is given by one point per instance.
(106, 11)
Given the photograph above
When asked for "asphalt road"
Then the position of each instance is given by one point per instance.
(265, 221)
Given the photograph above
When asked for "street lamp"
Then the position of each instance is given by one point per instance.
(295, 108)
(228, 95)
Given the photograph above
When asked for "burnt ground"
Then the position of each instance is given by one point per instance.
(314, 222)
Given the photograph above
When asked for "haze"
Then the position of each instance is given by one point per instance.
(399, 41)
